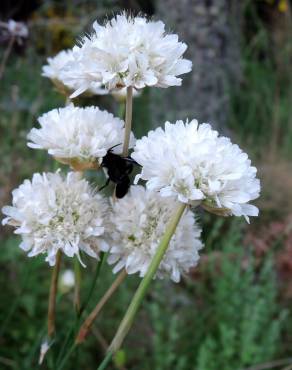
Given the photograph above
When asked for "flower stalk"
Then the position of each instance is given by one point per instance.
(128, 120)
(93, 283)
(85, 327)
(6, 56)
(144, 285)
(52, 296)
(77, 272)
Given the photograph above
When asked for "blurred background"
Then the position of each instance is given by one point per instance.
(233, 312)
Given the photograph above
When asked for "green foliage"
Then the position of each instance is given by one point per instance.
(261, 106)
(166, 337)
(20, 107)
(261, 109)
(228, 318)
(245, 319)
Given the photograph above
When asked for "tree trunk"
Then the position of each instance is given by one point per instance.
(211, 29)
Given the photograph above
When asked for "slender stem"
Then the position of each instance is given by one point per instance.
(144, 285)
(93, 284)
(142, 289)
(103, 343)
(77, 273)
(6, 56)
(90, 319)
(67, 101)
(121, 109)
(66, 357)
(105, 361)
(85, 327)
(52, 296)
(128, 121)
(271, 365)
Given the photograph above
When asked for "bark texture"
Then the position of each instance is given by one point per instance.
(211, 29)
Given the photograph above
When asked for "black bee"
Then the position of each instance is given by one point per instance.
(118, 171)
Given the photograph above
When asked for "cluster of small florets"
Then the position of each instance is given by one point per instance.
(126, 51)
(139, 221)
(53, 213)
(192, 163)
(183, 163)
(78, 136)
(15, 31)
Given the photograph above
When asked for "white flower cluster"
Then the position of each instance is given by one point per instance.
(56, 68)
(17, 29)
(127, 51)
(192, 163)
(66, 281)
(13, 31)
(184, 163)
(78, 136)
(54, 213)
(139, 221)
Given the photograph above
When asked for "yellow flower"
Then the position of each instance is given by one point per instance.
(283, 6)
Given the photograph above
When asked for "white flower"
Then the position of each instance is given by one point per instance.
(139, 220)
(17, 29)
(54, 213)
(78, 135)
(191, 162)
(66, 281)
(55, 65)
(53, 69)
(129, 51)
(43, 351)
(56, 70)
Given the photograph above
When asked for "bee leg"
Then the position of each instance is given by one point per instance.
(105, 185)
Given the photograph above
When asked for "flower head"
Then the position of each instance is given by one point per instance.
(54, 213)
(66, 281)
(17, 29)
(78, 136)
(53, 69)
(13, 31)
(57, 67)
(130, 51)
(139, 221)
(192, 163)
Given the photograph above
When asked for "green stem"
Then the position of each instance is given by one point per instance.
(86, 326)
(6, 56)
(93, 284)
(66, 357)
(121, 110)
(144, 285)
(52, 296)
(77, 273)
(128, 121)
(72, 332)
(105, 361)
